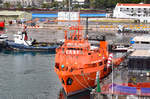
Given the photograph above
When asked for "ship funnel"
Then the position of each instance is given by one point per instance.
(103, 44)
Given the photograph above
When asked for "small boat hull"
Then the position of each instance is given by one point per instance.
(10, 45)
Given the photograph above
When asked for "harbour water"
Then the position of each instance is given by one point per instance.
(30, 76)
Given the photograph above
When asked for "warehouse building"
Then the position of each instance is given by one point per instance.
(14, 15)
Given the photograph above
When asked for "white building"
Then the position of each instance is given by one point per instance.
(133, 11)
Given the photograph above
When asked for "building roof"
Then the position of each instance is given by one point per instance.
(131, 4)
(144, 53)
(144, 38)
(10, 13)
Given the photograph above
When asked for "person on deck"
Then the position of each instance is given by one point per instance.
(25, 33)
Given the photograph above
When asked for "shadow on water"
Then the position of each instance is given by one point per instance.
(82, 95)
(25, 52)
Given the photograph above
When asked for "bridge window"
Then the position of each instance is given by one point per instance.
(89, 53)
(100, 63)
(120, 9)
(74, 48)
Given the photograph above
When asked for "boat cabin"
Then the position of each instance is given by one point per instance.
(139, 60)
(141, 42)
(21, 38)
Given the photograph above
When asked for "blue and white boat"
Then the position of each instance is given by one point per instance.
(3, 37)
(22, 43)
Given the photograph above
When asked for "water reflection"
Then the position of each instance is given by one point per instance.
(82, 95)
(28, 74)
(25, 52)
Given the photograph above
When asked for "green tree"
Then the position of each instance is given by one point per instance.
(6, 5)
(93, 4)
(100, 3)
(86, 4)
(19, 5)
(109, 3)
(54, 4)
(77, 6)
(46, 5)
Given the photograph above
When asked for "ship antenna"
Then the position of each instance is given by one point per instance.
(86, 33)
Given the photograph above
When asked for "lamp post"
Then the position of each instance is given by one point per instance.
(112, 79)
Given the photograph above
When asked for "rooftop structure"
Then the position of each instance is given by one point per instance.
(14, 15)
(139, 61)
(144, 38)
(133, 11)
(140, 53)
(141, 42)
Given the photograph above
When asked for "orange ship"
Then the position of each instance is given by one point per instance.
(76, 63)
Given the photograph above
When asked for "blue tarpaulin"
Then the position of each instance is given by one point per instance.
(145, 90)
(37, 15)
(124, 89)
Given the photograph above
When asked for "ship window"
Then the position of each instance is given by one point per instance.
(74, 49)
(147, 65)
(89, 53)
(126, 45)
(100, 63)
(145, 42)
(69, 81)
(120, 9)
(62, 81)
(92, 65)
(62, 50)
(105, 69)
(105, 61)
(57, 65)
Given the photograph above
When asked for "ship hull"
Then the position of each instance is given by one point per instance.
(76, 82)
